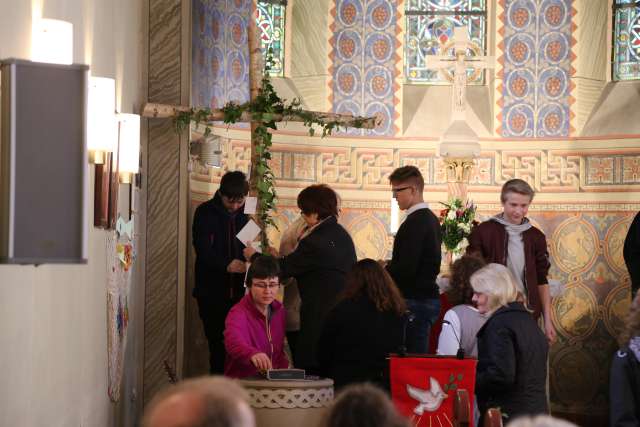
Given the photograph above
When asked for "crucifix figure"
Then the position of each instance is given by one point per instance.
(259, 152)
(459, 143)
(460, 62)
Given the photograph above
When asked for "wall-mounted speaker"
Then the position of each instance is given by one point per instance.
(43, 163)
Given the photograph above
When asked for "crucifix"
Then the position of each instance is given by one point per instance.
(459, 143)
(460, 62)
(257, 118)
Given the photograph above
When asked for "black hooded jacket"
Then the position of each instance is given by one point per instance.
(512, 363)
(631, 252)
(624, 387)
(216, 245)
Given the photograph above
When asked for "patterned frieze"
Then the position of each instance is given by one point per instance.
(368, 168)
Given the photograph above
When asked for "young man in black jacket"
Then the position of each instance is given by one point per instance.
(415, 262)
(220, 266)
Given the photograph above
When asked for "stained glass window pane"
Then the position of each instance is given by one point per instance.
(430, 26)
(626, 44)
(271, 22)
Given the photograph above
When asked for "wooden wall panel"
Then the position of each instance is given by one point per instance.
(163, 266)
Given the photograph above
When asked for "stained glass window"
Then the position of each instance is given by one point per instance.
(270, 20)
(626, 40)
(429, 29)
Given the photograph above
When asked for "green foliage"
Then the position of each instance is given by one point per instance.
(263, 110)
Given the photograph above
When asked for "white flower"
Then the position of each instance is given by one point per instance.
(451, 214)
(463, 244)
(464, 227)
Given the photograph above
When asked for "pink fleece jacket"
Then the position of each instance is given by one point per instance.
(246, 333)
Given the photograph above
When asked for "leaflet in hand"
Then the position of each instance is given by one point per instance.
(248, 232)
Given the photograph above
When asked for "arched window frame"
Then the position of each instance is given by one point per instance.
(464, 11)
(625, 64)
(281, 17)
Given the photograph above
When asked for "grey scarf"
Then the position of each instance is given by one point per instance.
(515, 250)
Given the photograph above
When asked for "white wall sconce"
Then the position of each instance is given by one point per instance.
(129, 146)
(52, 41)
(102, 127)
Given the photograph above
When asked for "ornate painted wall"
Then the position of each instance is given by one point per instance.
(535, 68)
(220, 56)
(363, 61)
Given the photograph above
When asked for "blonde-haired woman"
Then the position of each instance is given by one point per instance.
(512, 350)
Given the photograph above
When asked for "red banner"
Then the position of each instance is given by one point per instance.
(424, 388)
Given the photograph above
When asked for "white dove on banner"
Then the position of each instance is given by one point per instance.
(430, 400)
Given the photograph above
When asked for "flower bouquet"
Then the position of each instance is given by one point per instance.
(456, 222)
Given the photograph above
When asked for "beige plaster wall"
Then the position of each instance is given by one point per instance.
(53, 322)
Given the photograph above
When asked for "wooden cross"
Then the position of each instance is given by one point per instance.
(255, 80)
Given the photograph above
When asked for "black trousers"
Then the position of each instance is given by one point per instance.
(213, 312)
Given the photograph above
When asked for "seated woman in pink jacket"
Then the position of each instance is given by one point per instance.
(255, 327)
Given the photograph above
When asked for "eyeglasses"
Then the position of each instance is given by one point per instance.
(397, 190)
(264, 286)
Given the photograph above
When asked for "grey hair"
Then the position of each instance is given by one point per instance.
(498, 283)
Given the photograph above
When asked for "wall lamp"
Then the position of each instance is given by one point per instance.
(128, 146)
(101, 119)
(51, 41)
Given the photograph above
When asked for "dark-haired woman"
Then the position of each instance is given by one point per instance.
(254, 328)
(319, 264)
(624, 383)
(363, 328)
(463, 321)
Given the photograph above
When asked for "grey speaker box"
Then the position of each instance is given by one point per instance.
(43, 163)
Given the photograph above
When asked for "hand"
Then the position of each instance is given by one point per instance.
(549, 330)
(248, 251)
(236, 266)
(261, 361)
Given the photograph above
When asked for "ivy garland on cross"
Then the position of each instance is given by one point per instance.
(266, 110)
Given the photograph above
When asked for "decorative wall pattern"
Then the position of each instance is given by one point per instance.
(368, 168)
(535, 68)
(364, 62)
(220, 54)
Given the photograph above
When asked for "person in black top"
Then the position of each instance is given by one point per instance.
(624, 381)
(319, 264)
(220, 266)
(415, 262)
(631, 253)
(363, 328)
(512, 350)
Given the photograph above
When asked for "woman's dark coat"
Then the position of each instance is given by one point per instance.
(512, 363)
(319, 264)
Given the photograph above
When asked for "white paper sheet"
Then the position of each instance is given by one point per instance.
(250, 204)
(248, 232)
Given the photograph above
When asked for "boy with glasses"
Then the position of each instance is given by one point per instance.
(220, 266)
(415, 262)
